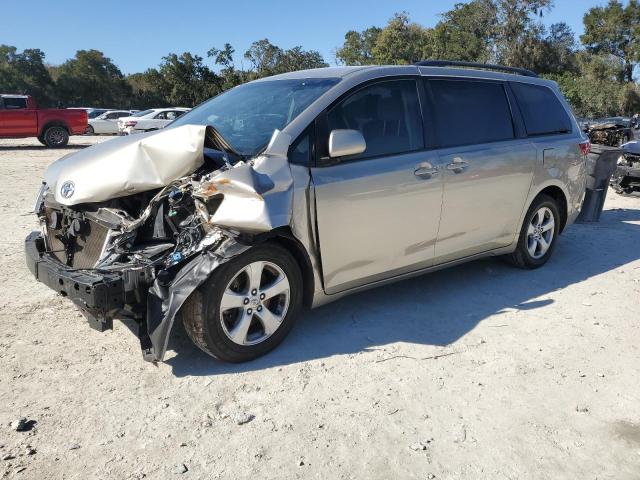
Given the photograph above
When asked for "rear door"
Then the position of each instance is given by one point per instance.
(377, 212)
(16, 119)
(487, 166)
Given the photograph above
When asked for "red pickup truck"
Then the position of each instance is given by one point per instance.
(21, 118)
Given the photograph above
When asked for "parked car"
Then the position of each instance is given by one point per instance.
(626, 178)
(299, 189)
(107, 122)
(21, 118)
(148, 120)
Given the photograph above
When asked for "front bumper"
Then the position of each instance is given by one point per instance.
(99, 295)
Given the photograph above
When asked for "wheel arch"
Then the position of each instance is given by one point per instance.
(556, 192)
(54, 123)
(284, 237)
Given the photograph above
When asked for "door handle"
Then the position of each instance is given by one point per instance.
(457, 166)
(425, 171)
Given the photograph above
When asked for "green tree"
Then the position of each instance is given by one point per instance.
(186, 80)
(466, 32)
(229, 75)
(148, 89)
(517, 30)
(263, 57)
(268, 59)
(26, 72)
(358, 47)
(92, 80)
(595, 90)
(403, 42)
(614, 30)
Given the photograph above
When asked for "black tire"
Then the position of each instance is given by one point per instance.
(41, 140)
(200, 312)
(89, 130)
(56, 136)
(521, 257)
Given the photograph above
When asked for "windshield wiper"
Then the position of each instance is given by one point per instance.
(220, 143)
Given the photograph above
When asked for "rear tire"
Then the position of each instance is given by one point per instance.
(56, 136)
(538, 235)
(253, 319)
(41, 140)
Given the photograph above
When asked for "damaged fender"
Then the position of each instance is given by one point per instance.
(256, 198)
(164, 301)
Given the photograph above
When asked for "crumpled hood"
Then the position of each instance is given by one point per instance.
(126, 165)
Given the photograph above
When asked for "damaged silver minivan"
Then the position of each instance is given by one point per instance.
(292, 191)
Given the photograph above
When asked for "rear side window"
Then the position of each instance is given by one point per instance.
(542, 112)
(386, 113)
(13, 103)
(470, 112)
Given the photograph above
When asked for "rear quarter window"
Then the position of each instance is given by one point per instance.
(542, 112)
(11, 103)
(470, 112)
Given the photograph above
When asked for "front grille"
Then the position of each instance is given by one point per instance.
(80, 251)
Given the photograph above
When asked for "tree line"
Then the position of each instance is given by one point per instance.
(594, 71)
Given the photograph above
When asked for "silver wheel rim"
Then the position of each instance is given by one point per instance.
(254, 303)
(56, 136)
(540, 233)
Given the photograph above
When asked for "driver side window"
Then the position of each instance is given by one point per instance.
(386, 113)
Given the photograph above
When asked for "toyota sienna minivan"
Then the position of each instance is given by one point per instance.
(295, 190)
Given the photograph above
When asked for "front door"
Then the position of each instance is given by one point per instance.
(16, 119)
(377, 212)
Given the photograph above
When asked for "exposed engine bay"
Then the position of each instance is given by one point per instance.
(139, 250)
(609, 133)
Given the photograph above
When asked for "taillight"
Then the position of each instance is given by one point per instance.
(585, 147)
(130, 123)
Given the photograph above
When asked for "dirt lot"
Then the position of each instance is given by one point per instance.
(481, 371)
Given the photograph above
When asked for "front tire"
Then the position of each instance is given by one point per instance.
(538, 235)
(90, 130)
(56, 137)
(247, 307)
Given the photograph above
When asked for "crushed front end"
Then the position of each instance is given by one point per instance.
(141, 255)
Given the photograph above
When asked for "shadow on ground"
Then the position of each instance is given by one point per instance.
(437, 308)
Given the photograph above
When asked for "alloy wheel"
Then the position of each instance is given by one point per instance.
(540, 233)
(56, 136)
(254, 303)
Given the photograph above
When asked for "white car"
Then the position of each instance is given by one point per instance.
(107, 122)
(147, 120)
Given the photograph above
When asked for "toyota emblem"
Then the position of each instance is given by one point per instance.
(67, 189)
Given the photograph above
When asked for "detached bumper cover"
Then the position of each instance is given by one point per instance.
(99, 295)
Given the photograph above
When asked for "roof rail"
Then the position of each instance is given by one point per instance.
(486, 66)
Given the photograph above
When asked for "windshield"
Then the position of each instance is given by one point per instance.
(95, 113)
(247, 115)
(143, 113)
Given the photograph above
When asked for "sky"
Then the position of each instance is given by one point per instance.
(136, 34)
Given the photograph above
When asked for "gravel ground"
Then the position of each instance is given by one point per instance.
(480, 371)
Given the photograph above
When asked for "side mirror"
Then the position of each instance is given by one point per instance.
(346, 142)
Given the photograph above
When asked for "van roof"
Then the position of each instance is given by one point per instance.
(436, 71)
